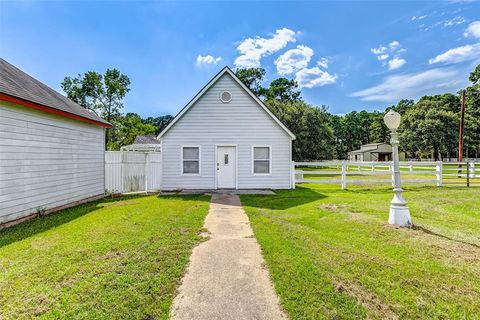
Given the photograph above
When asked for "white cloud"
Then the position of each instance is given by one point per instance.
(294, 60)
(419, 17)
(473, 30)
(323, 62)
(382, 57)
(208, 59)
(383, 54)
(459, 54)
(380, 50)
(253, 49)
(455, 21)
(394, 45)
(314, 77)
(413, 85)
(396, 63)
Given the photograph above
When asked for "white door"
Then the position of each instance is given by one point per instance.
(226, 167)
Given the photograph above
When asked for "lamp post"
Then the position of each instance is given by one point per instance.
(399, 213)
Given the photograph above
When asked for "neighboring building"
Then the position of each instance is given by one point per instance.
(374, 152)
(225, 137)
(52, 150)
(147, 143)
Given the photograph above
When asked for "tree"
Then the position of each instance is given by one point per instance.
(402, 106)
(314, 136)
(337, 123)
(159, 123)
(127, 128)
(430, 127)
(279, 89)
(102, 94)
(252, 78)
(472, 115)
(378, 131)
(282, 89)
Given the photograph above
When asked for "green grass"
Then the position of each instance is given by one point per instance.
(332, 255)
(112, 259)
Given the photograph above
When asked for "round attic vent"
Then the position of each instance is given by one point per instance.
(226, 97)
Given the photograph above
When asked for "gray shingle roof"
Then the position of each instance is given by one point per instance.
(149, 139)
(16, 83)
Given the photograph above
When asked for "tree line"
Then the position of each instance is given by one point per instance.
(429, 127)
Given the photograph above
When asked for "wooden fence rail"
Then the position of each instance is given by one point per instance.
(341, 172)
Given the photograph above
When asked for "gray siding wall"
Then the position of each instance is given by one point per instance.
(241, 121)
(46, 161)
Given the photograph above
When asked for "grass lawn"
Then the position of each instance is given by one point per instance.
(111, 259)
(332, 255)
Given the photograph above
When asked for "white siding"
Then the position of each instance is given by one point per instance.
(209, 122)
(46, 161)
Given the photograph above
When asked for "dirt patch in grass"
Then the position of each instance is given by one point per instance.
(332, 207)
(345, 209)
(369, 300)
(110, 255)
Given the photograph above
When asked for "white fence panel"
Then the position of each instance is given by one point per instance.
(343, 172)
(128, 171)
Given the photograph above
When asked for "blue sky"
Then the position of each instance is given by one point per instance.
(346, 55)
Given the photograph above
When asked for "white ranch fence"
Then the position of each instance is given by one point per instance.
(363, 172)
(128, 171)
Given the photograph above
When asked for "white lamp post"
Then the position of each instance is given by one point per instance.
(399, 213)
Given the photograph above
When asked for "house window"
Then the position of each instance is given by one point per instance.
(261, 160)
(191, 160)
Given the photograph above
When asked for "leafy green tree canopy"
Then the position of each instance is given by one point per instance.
(159, 123)
(102, 94)
(252, 78)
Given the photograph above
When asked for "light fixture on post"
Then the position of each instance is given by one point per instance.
(399, 213)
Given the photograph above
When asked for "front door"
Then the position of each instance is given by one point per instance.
(226, 167)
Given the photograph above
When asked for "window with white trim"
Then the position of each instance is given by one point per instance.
(191, 160)
(261, 160)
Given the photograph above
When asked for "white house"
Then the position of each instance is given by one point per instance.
(226, 138)
(51, 149)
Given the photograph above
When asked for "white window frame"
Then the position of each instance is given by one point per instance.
(269, 160)
(199, 159)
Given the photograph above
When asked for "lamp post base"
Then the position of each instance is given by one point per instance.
(399, 216)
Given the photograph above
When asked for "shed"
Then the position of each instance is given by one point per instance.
(52, 150)
(226, 138)
(373, 152)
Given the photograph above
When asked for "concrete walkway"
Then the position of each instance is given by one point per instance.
(226, 278)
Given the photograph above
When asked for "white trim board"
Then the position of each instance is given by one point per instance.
(208, 85)
(199, 159)
(269, 160)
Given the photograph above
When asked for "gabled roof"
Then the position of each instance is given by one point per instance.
(148, 139)
(369, 147)
(18, 87)
(208, 85)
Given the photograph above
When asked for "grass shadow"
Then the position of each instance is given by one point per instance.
(37, 225)
(283, 199)
(430, 232)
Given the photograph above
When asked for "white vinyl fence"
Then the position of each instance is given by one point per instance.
(128, 171)
(363, 172)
